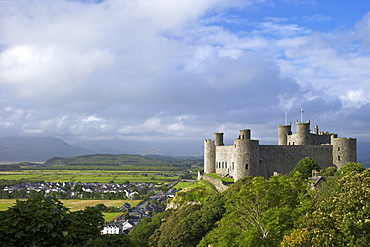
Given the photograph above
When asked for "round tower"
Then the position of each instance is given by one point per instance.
(219, 139)
(209, 156)
(303, 133)
(246, 158)
(283, 132)
(245, 134)
(344, 151)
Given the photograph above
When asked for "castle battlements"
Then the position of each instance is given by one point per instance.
(247, 158)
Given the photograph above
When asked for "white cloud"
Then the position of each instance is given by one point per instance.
(122, 69)
(355, 98)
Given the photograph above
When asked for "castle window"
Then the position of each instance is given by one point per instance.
(246, 166)
(338, 157)
(338, 148)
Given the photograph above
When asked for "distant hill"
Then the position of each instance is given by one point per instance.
(36, 149)
(119, 159)
(146, 147)
(103, 159)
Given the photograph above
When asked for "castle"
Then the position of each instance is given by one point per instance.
(247, 158)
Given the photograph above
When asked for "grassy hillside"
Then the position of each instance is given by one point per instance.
(104, 159)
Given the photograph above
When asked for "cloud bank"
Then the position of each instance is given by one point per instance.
(176, 70)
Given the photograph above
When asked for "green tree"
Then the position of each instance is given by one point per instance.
(101, 207)
(329, 171)
(341, 218)
(182, 227)
(305, 167)
(147, 227)
(260, 212)
(47, 222)
(350, 167)
(121, 240)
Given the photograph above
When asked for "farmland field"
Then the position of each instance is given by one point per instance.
(85, 176)
(75, 204)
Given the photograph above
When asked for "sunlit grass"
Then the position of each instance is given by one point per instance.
(214, 175)
(109, 216)
(85, 176)
(75, 204)
(182, 185)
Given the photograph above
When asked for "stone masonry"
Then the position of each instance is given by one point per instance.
(247, 158)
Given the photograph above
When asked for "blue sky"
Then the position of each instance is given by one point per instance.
(181, 70)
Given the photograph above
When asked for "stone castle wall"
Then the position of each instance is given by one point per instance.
(225, 160)
(247, 158)
(283, 159)
(219, 185)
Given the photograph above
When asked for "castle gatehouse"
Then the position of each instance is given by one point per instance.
(247, 158)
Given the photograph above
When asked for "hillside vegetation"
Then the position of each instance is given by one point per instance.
(103, 159)
(279, 211)
(119, 160)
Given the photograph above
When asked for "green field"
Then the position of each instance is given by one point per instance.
(85, 176)
(214, 175)
(109, 216)
(182, 185)
(75, 204)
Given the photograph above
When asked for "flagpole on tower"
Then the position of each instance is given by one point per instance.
(301, 115)
(286, 117)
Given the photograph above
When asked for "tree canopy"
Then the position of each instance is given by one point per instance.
(305, 166)
(341, 218)
(47, 222)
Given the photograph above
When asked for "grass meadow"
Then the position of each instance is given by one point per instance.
(214, 175)
(109, 216)
(85, 176)
(182, 185)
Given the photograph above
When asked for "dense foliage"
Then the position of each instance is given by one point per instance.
(47, 222)
(279, 211)
(305, 166)
(340, 212)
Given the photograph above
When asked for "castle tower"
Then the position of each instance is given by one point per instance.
(303, 133)
(246, 156)
(344, 151)
(245, 134)
(316, 130)
(219, 139)
(283, 132)
(209, 156)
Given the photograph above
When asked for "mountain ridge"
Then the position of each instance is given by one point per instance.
(36, 149)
